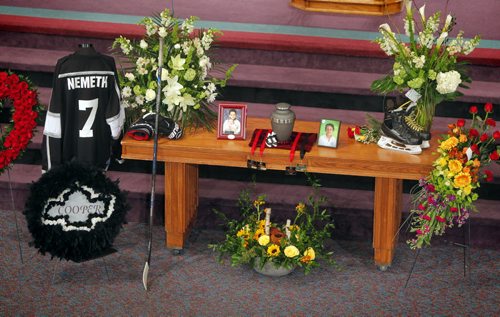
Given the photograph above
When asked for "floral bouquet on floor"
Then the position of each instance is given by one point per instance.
(425, 62)
(189, 90)
(446, 196)
(256, 240)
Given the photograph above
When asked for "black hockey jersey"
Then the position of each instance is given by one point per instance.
(85, 112)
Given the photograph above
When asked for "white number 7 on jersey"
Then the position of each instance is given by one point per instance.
(86, 131)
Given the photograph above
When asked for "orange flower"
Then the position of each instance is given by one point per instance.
(461, 180)
(476, 163)
(449, 144)
(463, 138)
(455, 166)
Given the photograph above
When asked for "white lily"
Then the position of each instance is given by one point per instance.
(177, 62)
(173, 88)
(185, 101)
(422, 12)
(441, 39)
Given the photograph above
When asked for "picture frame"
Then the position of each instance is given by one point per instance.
(328, 134)
(232, 121)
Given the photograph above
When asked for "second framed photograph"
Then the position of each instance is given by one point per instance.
(232, 121)
(329, 133)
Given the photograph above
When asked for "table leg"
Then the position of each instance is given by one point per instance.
(386, 219)
(181, 201)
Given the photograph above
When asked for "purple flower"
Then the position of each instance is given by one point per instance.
(451, 197)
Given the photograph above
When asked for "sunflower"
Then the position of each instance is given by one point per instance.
(258, 233)
(273, 250)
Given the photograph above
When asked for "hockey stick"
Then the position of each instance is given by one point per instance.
(153, 173)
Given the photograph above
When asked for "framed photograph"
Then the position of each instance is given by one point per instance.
(232, 121)
(328, 134)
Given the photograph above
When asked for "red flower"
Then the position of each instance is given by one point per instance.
(484, 137)
(421, 207)
(460, 123)
(496, 135)
(473, 133)
(494, 155)
(454, 209)
(350, 132)
(426, 217)
(489, 175)
(491, 122)
(475, 148)
(473, 109)
(440, 219)
(488, 107)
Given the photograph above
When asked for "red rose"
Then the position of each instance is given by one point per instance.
(488, 107)
(491, 122)
(474, 148)
(473, 109)
(357, 130)
(494, 155)
(496, 135)
(473, 133)
(489, 175)
(484, 137)
(460, 123)
(350, 132)
(454, 209)
(440, 219)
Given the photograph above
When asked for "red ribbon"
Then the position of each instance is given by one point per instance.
(294, 146)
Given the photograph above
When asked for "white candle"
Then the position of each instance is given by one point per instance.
(287, 228)
(268, 220)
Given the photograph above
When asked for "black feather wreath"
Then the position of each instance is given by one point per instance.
(74, 245)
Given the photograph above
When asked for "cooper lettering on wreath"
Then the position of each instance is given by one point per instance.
(74, 212)
(78, 208)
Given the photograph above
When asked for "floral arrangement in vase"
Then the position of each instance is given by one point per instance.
(446, 196)
(258, 241)
(189, 88)
(425, 64)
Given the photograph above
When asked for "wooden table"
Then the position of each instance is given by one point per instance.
(183, 156)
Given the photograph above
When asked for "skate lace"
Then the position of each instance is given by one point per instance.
(410, 121)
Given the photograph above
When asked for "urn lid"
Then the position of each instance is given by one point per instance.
(282, 106)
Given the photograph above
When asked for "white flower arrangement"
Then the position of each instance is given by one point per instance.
(426, 61)
(188, 90)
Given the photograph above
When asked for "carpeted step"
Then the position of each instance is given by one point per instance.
(259, 76)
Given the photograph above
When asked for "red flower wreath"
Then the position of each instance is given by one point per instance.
(16, 135)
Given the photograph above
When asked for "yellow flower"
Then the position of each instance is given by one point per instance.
(262, 224)
(455, 166)
(463, 138)
(242, 232)
(294, 228)
(300, 208)
(273, 250)
(467, 190)
(258, 233)
(291, 251)
(449, 144)
(258, 202)
(264, 240)
(442, 161)
(462, 180)
(310, 253)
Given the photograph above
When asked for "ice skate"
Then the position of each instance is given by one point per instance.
(424, 134)
(396, 134)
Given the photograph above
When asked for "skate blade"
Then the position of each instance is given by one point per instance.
(390, 144)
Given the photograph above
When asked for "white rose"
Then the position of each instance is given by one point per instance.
(162, 31)
(130, 76)
(143, 45)
(150, 95)
(126, 92)
(291, 251)
(448, 82)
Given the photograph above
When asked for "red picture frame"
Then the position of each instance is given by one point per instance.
(232, 121)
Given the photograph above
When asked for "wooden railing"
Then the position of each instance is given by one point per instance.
(369, 7)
